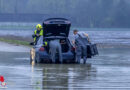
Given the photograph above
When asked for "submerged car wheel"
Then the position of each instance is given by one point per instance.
(37, 58)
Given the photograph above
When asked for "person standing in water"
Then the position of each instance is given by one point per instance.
(80, 41)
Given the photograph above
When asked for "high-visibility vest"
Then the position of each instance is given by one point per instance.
(45, 43)
(40, 33)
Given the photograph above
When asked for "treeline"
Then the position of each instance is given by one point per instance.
(83, 13)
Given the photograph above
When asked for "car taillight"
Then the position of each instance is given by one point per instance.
(41, 49)
(73, 48)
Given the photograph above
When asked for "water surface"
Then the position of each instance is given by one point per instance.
(110, 70)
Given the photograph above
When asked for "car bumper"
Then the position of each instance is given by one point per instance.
(66, 56)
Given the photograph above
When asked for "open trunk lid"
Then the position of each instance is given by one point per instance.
(56, 27)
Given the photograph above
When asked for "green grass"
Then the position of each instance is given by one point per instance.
(17, 42)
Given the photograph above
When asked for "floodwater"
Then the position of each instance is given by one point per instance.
(110, 70)
(103, 36)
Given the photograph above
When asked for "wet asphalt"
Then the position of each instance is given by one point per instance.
(108, 71)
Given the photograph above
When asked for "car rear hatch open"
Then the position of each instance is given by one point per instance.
(56, 27)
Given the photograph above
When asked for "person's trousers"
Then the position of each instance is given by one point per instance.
(81, 51)
(55, 48)
(54, 51)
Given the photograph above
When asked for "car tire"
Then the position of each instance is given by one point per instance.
(37, 58)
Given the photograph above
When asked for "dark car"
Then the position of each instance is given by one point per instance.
(56, 28)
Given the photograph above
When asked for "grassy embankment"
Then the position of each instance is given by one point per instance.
(15, 26)
(17, 42)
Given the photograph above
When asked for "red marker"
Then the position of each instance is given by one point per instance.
(1, 78)
(2, 81)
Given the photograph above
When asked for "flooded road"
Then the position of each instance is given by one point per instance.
(110, 70)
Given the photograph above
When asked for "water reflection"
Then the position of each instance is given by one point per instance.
(110, 70)
(66, 76)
